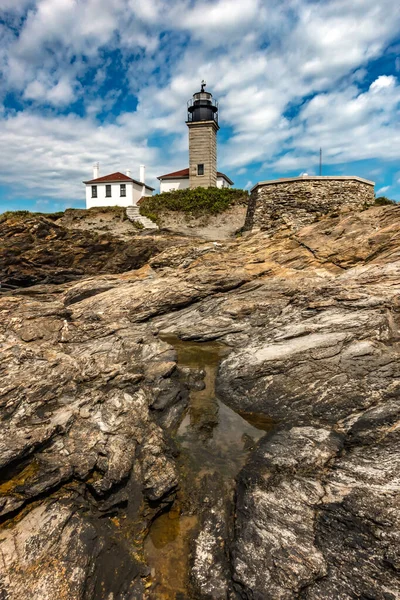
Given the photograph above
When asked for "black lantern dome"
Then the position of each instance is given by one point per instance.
(202, 107)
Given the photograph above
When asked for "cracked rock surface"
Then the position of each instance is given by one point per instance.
(90, 396)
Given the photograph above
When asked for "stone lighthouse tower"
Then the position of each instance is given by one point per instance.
(203, 126)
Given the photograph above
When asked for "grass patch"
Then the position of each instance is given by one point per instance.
(137, 224)
(195, 202)
(22, 214)
(75, 214)
(383, 201)
(9, 214)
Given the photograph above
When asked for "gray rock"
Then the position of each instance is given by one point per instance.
(358, 524)
(317, 367)
(54, 552)
(275, 554)
(210, 569)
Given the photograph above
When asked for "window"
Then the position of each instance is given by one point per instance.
(122, 190)
(200, 169)
(108, 191)
(94, 191)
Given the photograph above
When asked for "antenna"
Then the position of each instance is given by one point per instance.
(203, 85)
(320, 162)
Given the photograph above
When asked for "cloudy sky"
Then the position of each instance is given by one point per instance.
(108, 80)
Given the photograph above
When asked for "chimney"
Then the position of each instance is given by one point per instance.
(142, 174)
(96, 170)
(128, 172)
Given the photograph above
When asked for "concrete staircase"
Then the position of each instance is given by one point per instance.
(133, 214)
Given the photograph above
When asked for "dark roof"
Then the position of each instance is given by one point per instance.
(219, 174)
(116, 178)
(184, 174)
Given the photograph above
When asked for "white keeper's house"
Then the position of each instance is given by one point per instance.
(180, 180)
(116, 189)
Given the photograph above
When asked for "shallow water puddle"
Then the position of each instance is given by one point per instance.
(212, 437)
(167, 554)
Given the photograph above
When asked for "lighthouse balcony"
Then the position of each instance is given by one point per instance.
(202, 109)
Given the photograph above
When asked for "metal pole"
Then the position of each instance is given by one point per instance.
(320, 162)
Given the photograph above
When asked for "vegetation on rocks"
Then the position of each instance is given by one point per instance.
(383, 201)
(83, 213)
(195, 202)
(21, 215)
(72, 214)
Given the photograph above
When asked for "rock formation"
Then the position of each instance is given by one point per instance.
(91, 397)
(44, 249)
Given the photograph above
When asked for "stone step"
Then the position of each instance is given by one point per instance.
(133, 214)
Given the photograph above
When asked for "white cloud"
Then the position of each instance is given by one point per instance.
(382, 190)
(351, 125)
(53, 155)
(60, 40)
(15, 7)
(216, 22)
(35, 90)
(383, 81)
(60, 94)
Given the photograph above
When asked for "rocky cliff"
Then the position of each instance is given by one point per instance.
(101, 439)
(37, 248)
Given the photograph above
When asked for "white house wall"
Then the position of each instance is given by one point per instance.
(169, 185)
(145, 192)
(221, 182)
(133, 194)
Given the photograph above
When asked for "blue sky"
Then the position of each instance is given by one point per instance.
(83, 81)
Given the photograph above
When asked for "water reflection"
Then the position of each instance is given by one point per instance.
(165, 529)
(212, 437)
(203, 411)
(167, 550)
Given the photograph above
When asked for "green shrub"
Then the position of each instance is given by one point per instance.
(383, 201)
(9, 214)
(196, 202)
(137, 224)
(52, 216)
(15, 213)
(150, 215)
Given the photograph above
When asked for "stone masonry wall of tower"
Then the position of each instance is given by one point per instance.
(203, 151)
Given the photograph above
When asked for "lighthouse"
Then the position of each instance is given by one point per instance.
(202, 121)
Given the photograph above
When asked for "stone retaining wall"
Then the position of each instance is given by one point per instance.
(299, 201)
